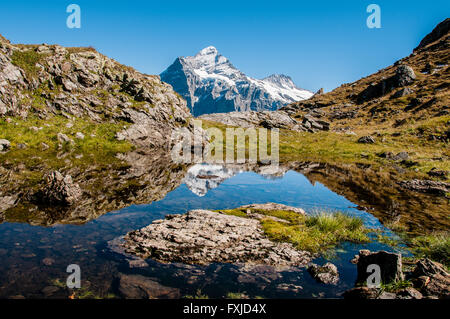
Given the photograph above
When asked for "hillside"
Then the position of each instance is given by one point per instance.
(50, 81)
(387, 101)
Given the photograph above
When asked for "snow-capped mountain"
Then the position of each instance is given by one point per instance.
(211, 84)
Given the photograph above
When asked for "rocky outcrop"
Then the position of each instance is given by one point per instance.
(440, 31)
(426, 186)
(438, 173)
(326, 274)
(429, 279)
(269, 120)
(404, 76)
(59, 190)
(203, 237)
(49, 80)
(390, 265)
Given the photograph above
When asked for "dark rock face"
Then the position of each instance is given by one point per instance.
(437, 173)
(366, 140)
(404, 76)
(426, 186)
(438, 32)
(204, 237)
(390, 265)
(141, 287)
(326, 274)
(60, 190)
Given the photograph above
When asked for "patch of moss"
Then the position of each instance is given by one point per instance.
(27, 60)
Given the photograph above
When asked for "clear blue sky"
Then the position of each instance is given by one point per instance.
(317, 43)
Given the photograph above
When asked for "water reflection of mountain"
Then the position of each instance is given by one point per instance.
(375, 190)
(201, 178)
(145, 178)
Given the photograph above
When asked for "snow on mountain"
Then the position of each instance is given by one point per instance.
(201, 178)
(211, 84)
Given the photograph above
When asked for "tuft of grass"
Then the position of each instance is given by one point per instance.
(198, 295)
(319, 232)
(396, 286)
(316, 233)
(434, 246)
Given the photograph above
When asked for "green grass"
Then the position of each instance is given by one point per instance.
(435, 247)
(396, 286)
(27, 60)
(99, 137)
(316, 233)
(198, 295)
(332, 147)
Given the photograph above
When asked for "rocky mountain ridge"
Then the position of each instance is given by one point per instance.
(49, 80)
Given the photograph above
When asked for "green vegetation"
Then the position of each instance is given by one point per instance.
(331, 147)
(434, 246)
(99, 137)
(396, 286)
(27, 60)
(315, 233)
(198, 295)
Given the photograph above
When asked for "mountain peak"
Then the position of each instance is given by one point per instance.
(211, 50)
(210, 83)
(280, 80)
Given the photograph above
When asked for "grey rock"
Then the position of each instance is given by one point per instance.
(267, 119)
(404, 76)
(4, 145)
(366, 140)
(402, 156)
(426, 186)
(362, 293)
(409, 293)
(63, 138)
(7, 202)
(204, 237)
(141, 287)
(60, 189)
(79, 136)
(326, 274)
